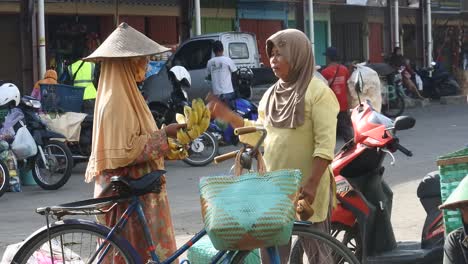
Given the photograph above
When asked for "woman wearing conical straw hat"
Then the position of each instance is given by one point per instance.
(456, 243)
(126, 140)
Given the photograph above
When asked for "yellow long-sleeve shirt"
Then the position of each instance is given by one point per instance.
(287, 148)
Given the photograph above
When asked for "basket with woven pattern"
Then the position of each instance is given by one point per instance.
(254, 210)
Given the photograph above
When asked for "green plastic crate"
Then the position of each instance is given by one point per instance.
(453, 168)
(203, 251)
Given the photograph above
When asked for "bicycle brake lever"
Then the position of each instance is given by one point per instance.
(391, 155)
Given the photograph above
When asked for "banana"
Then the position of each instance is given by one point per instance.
(192, 133)
(195, 132)
(172, 144)
(205, 121)
(207, 113)
(193, 118)
(188, 116)
(204, 124)
(182, 137)
(180, 119)
(199, 106)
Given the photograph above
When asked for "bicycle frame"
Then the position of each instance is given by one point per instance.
(135, 205)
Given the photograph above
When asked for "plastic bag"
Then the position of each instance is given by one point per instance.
(371, 89)
(12, 164)
(67, 124)
(419, 82)
(11, 119)
(24, 145)
(43, 256)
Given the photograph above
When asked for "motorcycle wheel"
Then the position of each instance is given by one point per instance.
(4, 178)
(349, 236)
(202, 150)
(60, 163)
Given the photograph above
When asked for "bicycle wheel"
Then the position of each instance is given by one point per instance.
(4, 178)
(60, 163)
(202, 150)
(329, 250)
(73, 243)
(349, 236)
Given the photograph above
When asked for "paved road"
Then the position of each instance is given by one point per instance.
(439, 130)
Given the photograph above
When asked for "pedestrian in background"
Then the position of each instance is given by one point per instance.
(398, 61)
(337, 76)
(220, 68)
(85, 74)
(50, 77)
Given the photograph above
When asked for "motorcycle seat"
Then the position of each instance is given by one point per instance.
(429, 186)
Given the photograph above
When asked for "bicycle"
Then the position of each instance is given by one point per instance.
(59, 242)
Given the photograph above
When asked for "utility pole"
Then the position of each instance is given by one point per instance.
(116, 14)
(311, 25)
(429, 32)
(41, 37)
(397, 24)
(197, 18)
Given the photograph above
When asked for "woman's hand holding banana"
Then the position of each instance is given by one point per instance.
(197, 119)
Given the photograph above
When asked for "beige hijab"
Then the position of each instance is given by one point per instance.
(285, 106)
(122, 120)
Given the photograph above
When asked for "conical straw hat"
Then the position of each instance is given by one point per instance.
(459, 196)
(126, 42)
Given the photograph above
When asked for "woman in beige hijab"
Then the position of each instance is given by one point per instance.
(126, 141)
(299, 113)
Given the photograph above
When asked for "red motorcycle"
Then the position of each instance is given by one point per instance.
(362, 219)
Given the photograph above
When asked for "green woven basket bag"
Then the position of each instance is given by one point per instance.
(203, 252)
(250, 211)
(453, 168)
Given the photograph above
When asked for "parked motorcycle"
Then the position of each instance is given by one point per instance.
(362, 220)
(51, 167)
(438, 82)
(219, 131)
(81, 150)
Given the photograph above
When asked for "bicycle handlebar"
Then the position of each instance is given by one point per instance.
(245, 130)
(224, 157)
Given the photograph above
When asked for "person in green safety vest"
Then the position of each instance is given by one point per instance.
(83, 74)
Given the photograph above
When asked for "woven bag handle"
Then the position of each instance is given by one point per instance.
(261, 167)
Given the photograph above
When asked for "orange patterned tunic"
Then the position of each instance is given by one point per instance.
(155, 206)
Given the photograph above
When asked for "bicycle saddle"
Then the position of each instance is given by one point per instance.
(150, 182)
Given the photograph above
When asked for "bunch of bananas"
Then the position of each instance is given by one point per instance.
(177, 151)
(197, 119)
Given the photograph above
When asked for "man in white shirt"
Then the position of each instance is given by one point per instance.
(220, 69)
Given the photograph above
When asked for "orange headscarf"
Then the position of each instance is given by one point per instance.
(50, 77)
(122, 120)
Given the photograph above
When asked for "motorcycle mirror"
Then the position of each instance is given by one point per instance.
(404, 122)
